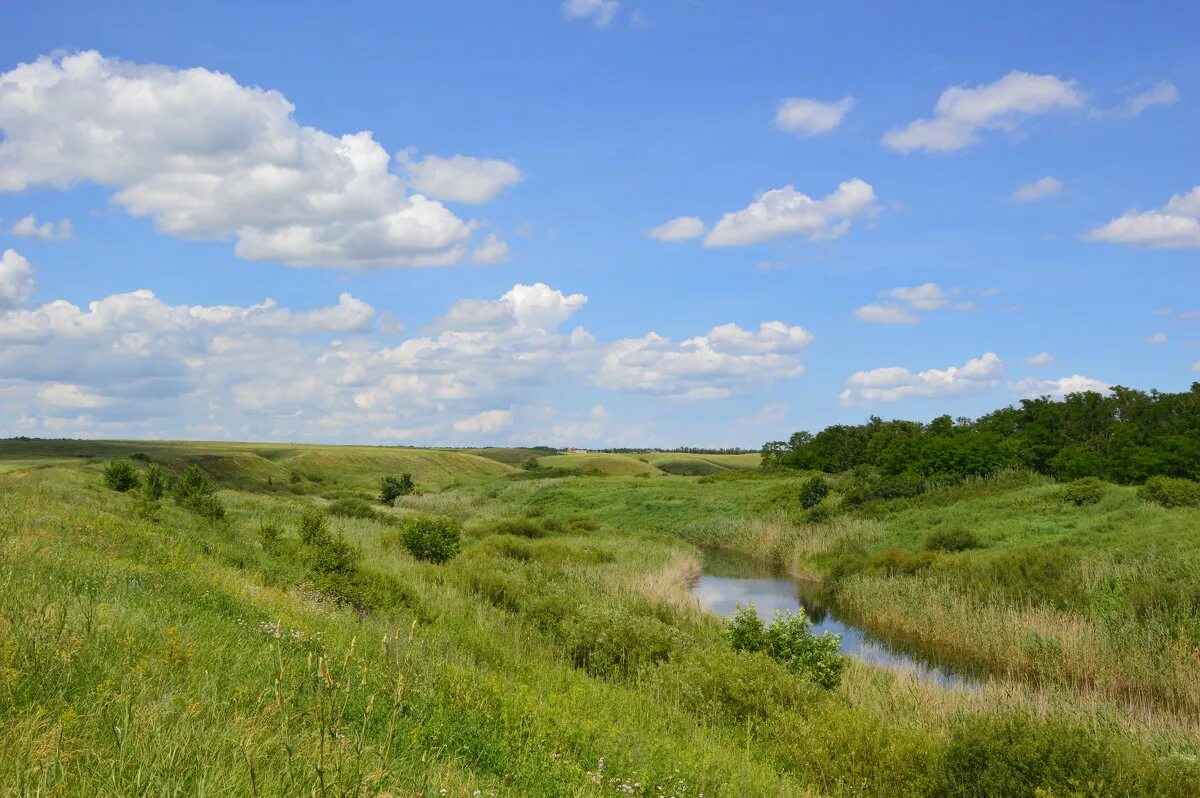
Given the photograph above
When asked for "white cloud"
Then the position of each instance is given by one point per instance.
(1157, 338)
(680, 228)
(599, 12)
(785, 211)
(208, 158)
(883, 313)
(459, 178)
(492, 250)
(71, 396)
(485, 423)
(1161, 93)
(28, 227)
(1039, 360)
(1076, 383)
(894, 382)
(808, 117)
(710, 366)
(1039, 189)
(925, 297)
(535, 307)
(16, 280)
(768, 415)
(1174, 226)
(962, 113)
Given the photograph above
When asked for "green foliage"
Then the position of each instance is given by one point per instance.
(311, 528)
(1171, 492)
(609, 642)
(733, 686)
(1126, 436)
(1015, 755)
(955, 538)
(813, 491)
(193, 491)
(432, 538)
(155, 482)
(1086, 490)
(789, 640)
(392, 488)
(531, 464)
(120, 475)
(353, 507)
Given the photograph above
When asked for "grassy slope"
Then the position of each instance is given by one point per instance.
(136, 648)
(686, 464)
(600, 463)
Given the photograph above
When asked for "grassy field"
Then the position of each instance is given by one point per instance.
(147, 650)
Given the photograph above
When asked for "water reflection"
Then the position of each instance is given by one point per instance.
(729, 580)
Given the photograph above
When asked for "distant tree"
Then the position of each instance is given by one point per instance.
(392, 488)
(155, 482)
(121, 476)
(531, 464)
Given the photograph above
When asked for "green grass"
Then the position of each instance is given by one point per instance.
(686, 464)
(144, 650)
(600, 463)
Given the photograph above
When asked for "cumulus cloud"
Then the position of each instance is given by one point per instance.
(1161, 93)
(599, 13)
(1174, 226)
(785, 211)
(28, 227)
(492, 250)
(459, 178)
(1030, 387)
(16, 280)
(905, 300)
(891, 383)
(963, 113)
(1039, 360)
(208, 158)
(485, 423)
(680, 228)
(712, 366)
(1039, 189)
(1157, 338)
(808, 117)
(70, 396)
(535, 307)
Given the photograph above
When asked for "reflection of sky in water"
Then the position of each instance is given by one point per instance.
(722, 594)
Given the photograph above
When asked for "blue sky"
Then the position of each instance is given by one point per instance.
(849, 175)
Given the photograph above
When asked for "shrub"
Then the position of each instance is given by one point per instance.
(269, 533)
(813, 491)
(1079, 492)
(193, 491)
(611, 642)
(789, 640)
(531, 464)
(392, 488)
(145, 458)
(120, 475)
(155, 482)
(431, 538)
(821, 513)
(731, 685)
(1019, 755)
(311, 527)
(353, 508)
(1171, 492)
(952, 539)
(331, 553)
(520, 527)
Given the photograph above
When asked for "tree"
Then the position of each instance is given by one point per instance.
(813, 490)
(121, 476)
(392, 488)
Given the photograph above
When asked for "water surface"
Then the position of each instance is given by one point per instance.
(729, 579)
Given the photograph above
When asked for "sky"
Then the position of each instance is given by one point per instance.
(588, 223)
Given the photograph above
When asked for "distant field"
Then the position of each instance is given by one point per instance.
(249, 465)
(686, 464)
(509, 455)
(601, 463)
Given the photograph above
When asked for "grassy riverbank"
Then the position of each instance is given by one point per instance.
(144, 649)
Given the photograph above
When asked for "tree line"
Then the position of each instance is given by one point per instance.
(1125, 436)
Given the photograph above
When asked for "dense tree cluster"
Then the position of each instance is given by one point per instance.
(1126, 436)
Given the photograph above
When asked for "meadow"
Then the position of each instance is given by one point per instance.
(291, 644)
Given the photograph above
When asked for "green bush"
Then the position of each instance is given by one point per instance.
(392, 488)
(952, 539)
(731, 685)
(789, 640)
(1079, 492)
(1018, 755)
(155, 482)
(193, 491)
(531, 464)
(311, 527)
(812, 491)
(611, 642)
(354, 508)
(1171, 492)
(121, 476)
(431, 538)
